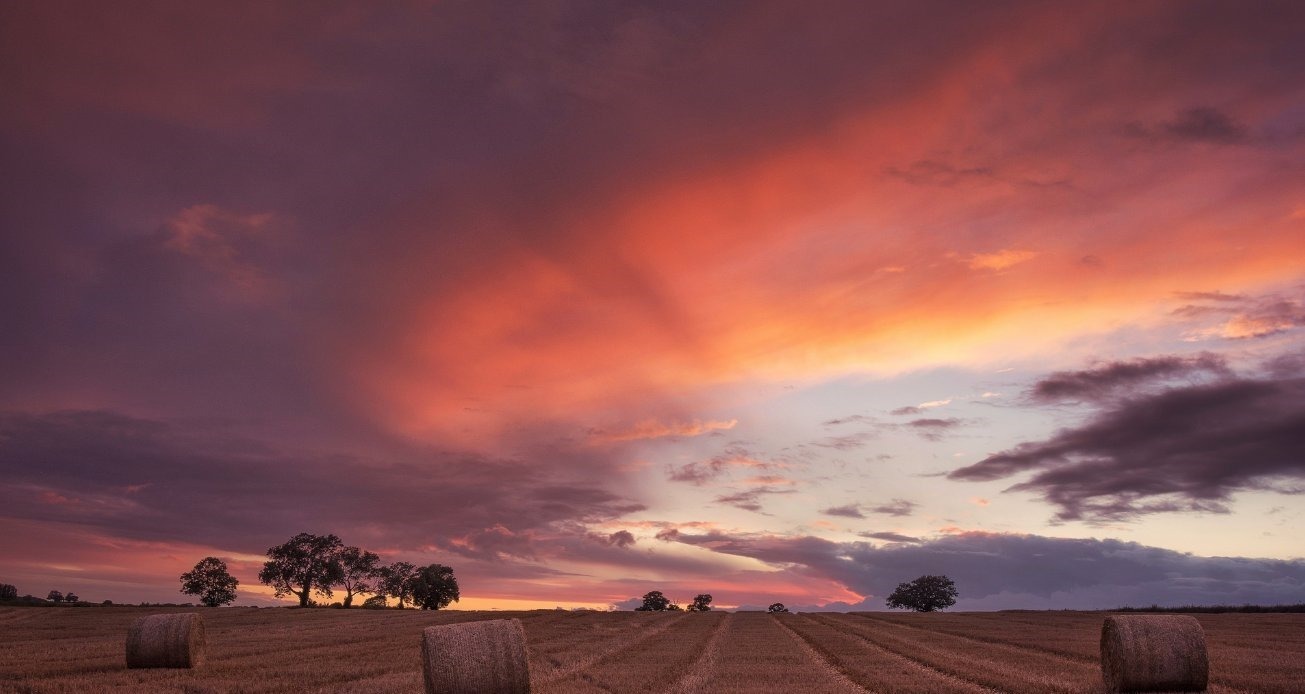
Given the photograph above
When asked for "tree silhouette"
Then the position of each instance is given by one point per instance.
(71, 598)
(55, 596)
(654, 601)
(359, 570)
(701, 603)
(8, 591)
(398, 580)
(924, 594)
(375, 602)
(302, 566)
(777, 608)
(211, 582)
(434, 587)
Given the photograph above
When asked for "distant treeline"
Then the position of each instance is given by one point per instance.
(1216, 609)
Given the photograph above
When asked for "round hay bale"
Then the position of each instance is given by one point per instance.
(487, 657)
(1154, 653)
(166, 640)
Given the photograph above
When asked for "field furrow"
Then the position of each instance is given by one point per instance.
(1078, 641)
(756, 654)
(655, 665)
(571, 647)
(998, 666)
(695, 677)
(871, 667)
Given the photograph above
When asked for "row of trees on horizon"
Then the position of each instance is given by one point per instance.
(316, 565)
(924, 594)
(310, 566)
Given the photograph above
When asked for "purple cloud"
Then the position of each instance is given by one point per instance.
(1183, 449)
(997, 570)
(1107, 380)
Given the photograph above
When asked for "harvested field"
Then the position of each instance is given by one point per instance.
(290, 650)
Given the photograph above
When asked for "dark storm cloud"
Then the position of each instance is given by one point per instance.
(196, 482)
(1187, 448)
(1108, 379)
(994, 571)
(847, 511)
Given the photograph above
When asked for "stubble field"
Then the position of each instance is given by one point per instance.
(289, 650)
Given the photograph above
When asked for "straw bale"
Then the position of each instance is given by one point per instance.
(1154, 653)
(488, 657)
(166, 640)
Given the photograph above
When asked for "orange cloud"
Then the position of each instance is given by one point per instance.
(1000, 260)
(655, 429)
(678, 287)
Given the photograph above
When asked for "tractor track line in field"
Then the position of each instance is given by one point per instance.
(698, 674)
(987, 642)
(826, 662)
(579, 666)
(912, 662)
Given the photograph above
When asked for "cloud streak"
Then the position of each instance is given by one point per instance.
(1183, 449)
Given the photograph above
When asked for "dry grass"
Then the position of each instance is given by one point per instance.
(651, 664)
(1154, 652)
(868, 665)
(289, 650)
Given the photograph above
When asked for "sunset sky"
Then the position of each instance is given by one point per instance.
(776, 301)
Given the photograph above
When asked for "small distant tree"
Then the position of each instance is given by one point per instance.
(434, 587)
(924, 594)
(701, 603)
(777, 607)
(107, 603)
(55, 596)
(211, 582)
(375, 602)
(71, 598)
(303, 566)
(8, 591)
(398, 580)
(359, 570)
(654, 601)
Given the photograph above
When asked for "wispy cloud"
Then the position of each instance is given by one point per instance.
(999, 260)
(656, 429)
(1106, 380)
(896, 507)
(750, 499)
(735, 457)
(846, 511)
